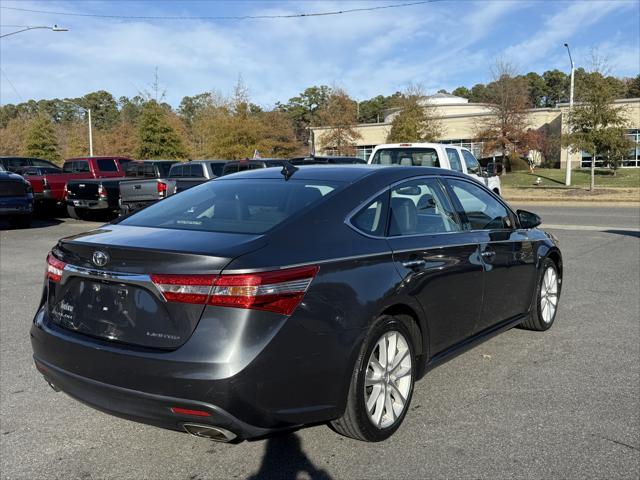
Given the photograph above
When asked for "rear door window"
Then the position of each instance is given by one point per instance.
(107, 165)
(17, 164)
(196, 170)
(233, 206)
(67, 167)
(421, 207)
(81, 166)
(409, 157)
(454, 159)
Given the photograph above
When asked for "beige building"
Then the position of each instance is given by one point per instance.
(460, 119)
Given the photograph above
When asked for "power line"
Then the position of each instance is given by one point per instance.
(12, 85)
(238, 17)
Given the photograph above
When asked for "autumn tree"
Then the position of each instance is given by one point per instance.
(157, 137)
(12, 136)
(505, 129)
(417, 120)
(340, 116)
(597, 125)
(41, 141)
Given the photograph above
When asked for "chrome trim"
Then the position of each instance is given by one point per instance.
(226, 434)
(141, 280)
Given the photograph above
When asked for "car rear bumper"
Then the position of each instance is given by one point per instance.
(145, 407)
(101, 204)
(10, 206)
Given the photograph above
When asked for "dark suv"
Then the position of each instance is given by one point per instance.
(18, 164)
(16, 199)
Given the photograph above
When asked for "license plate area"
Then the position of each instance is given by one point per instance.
(119, 312)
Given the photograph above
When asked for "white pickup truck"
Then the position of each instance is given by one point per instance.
(439, 155)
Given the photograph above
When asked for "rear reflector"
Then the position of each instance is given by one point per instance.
(280, 291)
(187, 411)
(54, 268)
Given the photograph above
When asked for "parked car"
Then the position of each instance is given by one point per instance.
(50, 187)
(246, 164)
(140, 193)
(439, 155)
(18, 164)
(272, 298)
(16, 199)
(331, 160)
(102, 196)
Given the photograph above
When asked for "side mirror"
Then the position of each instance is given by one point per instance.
(528, 219)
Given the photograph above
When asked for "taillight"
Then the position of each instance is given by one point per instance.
(280, 291)
(54, 268)
(65, 193)
(45, 184)
(102, 192)
(162, 189)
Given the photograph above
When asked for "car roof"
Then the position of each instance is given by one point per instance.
(344, 173)
(204, 160)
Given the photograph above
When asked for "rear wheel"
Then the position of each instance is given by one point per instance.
(381, 384)
(543, 312)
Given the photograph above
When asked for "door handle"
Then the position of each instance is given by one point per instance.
(488, 254)
(414, 263)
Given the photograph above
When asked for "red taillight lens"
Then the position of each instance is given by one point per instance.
(162, 189)
(102, 192)
(184, 288)
(54, 268)
(65, 194)
(280, 291)
(45, 184)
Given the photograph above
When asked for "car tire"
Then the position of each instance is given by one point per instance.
(20, 221)
(359, 421)
(543, 311)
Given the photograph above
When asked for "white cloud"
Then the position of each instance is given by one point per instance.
(441, 45)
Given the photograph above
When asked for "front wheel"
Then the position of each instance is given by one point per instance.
(545, 305)
(381, 384)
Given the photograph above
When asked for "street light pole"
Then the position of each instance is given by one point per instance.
(567, 180)
(55, 28)
(90, 134)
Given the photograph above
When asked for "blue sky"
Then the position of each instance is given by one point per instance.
(439, 45)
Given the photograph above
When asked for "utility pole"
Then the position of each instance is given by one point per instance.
(90, 134)
(567, 179)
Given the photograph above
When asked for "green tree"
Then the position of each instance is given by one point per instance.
(597, 124)
(478, 93)
(463, 92)
(633, 87)
(416, 121)
(557, 87)
(537, 89)
(372, 110)
(157, 137)
(41, 141)
(339, 114)
(303, 110)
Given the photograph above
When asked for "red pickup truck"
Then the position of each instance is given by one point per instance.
(50, 188)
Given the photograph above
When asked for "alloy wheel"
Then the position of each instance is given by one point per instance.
(388, 379)
(549, 295)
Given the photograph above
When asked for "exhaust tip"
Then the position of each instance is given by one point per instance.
(216, 434)
(55, 389)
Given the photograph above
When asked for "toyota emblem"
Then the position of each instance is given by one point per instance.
(100, 259)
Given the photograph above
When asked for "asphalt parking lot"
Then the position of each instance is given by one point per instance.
(560, 404)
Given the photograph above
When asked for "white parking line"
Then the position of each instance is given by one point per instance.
(592, 228)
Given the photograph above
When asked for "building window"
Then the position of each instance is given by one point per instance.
(632, 159)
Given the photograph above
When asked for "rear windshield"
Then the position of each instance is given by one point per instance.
(410, 157)
(107, 165)
(233, 206)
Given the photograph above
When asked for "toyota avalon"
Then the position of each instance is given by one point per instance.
(269, 299)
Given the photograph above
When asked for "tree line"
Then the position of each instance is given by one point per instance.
(212, 125)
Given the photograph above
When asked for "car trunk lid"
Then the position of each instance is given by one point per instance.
(111, 295)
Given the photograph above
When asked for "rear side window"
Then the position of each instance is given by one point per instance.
(409, 157)
(242, 206)
(80, 166)
(67, 167)
(473, 166)
(107, 165)
(372, 219)
(454, 159)
(40, 163)
(217, 168)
